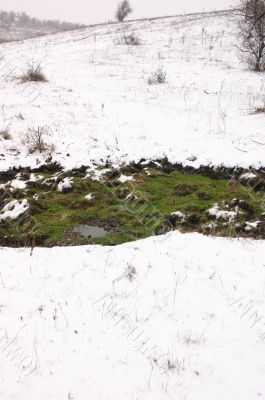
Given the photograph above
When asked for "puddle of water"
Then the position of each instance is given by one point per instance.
(88, 231)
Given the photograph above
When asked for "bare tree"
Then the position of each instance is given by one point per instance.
(251, 33)
(35, 140)
(123, 10)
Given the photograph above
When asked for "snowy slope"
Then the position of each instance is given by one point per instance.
(21, 33)
(98, 105)
(172, 317)
(166, 318)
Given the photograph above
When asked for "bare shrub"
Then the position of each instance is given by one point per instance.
(251, 33)
(5, 134)
(258, 105)
(123, 10)
(259, 110)
(35, 140)
(157, 77)
(131, 272)
(129, 40)
(33, 73)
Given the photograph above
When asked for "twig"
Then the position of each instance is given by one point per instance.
(243, 151)
(2, 280)
(262, 144)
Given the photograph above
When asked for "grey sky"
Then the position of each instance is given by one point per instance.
(90, 11)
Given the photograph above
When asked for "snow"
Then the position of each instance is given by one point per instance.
(211, 225)
(222, 214)
(132, 196)
(17, 184)
(35, 178)
(89, 196)
(169, 317)
(179, 215)
(51, 180)
(124, 178)
(97, 175)
(76, 319)
(65, 184)
(12, 33)
(252, 225)
(248, 176)
(98, 106)
(14, 209)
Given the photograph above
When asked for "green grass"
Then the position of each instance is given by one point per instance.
(161, 189)
(57, 214)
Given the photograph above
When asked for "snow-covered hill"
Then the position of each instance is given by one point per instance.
(98, 104)
(173, 317)
(17, 26)
(20, 33)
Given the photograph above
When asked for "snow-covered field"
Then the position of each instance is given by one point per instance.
(20, 33)
(175, 317)
(166, 318)
(98, 104)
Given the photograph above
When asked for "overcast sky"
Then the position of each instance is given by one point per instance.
(91, 11)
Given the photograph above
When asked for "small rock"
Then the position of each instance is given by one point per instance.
(192, 158)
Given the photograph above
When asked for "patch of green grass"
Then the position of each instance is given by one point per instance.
(160, 189)
(56, 214)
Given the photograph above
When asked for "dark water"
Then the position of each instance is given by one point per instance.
(88, 231)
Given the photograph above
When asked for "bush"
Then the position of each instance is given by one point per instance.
(35, 139)
(129, 40)
(158, 77)
(33, 73)
(251, 33)
(123, 10)
(5, 134)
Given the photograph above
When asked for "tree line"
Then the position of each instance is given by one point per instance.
(9, 19)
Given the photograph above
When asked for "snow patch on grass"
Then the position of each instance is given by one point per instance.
(218, 213)
(14, 209)
(89, 196)
(125, 178)
(179, 215)
(65, 184)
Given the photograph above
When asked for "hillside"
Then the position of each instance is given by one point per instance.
(16, 26)
(97, 103)
(120, 161)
